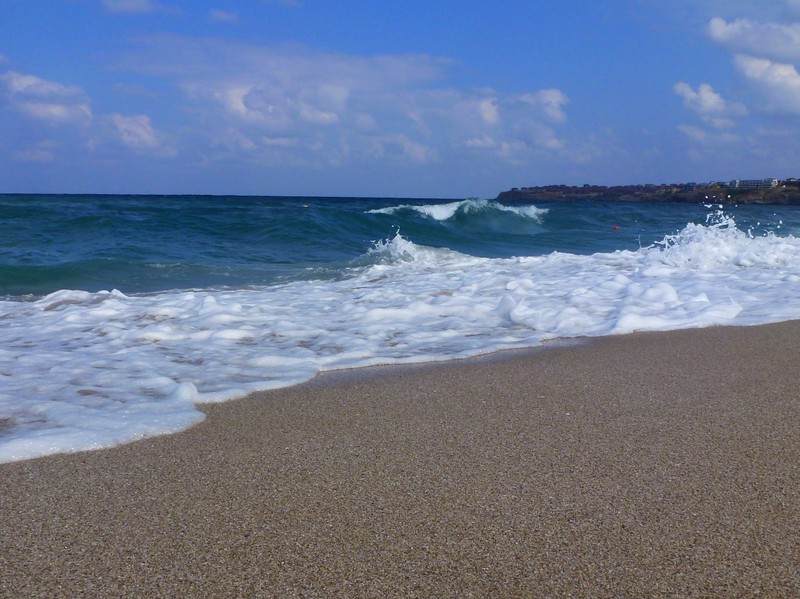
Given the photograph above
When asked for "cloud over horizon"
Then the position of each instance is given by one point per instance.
(299, 97)
(59, 105)
(710, 105)
(766, 54)
(763, 47)
(777, 41)
(297, 105)
(45, 100)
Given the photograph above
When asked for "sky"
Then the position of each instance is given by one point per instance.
(434, 98)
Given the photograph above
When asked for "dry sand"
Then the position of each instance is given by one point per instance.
(646, 465)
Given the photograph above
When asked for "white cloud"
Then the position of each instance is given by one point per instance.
(769, 73)
(232, 138)
(709, 105)
(694, 133)
(69, 108)
(531, 118)
(46, 100)
(550, 101)
(489, 111)
(705, 100)
(779, 82)
(56, 113)
(779, 41)
(542, 137)
(31, 85)
(766, 54)
(408, 148)
(339, 107)
(135, 131)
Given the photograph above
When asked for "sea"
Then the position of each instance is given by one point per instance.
(120, 314)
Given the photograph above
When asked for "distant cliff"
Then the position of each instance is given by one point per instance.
(787, 194)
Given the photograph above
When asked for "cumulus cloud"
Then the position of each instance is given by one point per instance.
(68, 108)
(766, 53)
(233, 139)
(709, 105)
(338, 107)
(550, 101)
(779, 82)
(135, 131)
(779, 41)
(56, 113)
(45, 100)
(18, 83)
(705, 100)
(406, 147)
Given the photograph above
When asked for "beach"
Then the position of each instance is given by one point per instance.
(642, 465)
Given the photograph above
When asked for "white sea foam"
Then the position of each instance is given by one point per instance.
(83, 370)
(446, 211)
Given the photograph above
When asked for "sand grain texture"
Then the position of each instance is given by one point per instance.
(645, 465)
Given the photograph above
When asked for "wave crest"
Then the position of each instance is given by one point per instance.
(720, 242)
(398, 249)
(450, 210)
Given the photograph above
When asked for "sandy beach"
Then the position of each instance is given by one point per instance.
(647, 465)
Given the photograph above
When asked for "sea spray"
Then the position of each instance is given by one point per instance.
(82, 369)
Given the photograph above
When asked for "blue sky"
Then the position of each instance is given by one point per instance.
(374, 98)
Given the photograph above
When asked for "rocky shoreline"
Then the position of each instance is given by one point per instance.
(785, 194)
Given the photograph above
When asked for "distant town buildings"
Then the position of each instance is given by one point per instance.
(753, 183)
(748, 191)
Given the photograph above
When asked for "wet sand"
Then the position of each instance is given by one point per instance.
(645, 465)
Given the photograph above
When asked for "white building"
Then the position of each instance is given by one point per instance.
(753, 183)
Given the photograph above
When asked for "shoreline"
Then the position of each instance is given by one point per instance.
(650, 464)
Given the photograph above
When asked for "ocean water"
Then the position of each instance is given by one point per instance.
(119, 314)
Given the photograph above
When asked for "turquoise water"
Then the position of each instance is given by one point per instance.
(154, 243)
(119, 314)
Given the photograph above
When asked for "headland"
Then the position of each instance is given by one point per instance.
(739, 191)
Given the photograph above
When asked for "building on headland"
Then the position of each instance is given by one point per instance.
(739, 191)
(753, 183)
